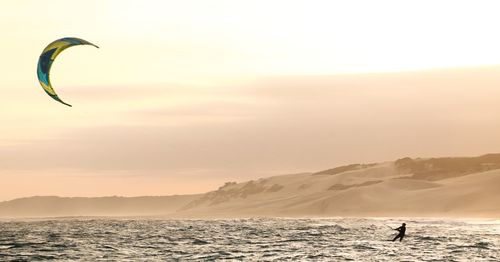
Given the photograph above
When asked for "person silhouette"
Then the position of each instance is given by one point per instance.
(402, 231)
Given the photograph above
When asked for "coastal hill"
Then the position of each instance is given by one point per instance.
(438, 187)
(53, 206)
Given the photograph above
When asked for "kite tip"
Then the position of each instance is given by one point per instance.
(65, 104)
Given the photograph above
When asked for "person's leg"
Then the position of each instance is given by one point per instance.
(395, 238)
(401, 238)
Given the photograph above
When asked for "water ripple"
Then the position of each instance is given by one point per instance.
(247, 240)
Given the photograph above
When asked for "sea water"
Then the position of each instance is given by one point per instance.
(336, 239)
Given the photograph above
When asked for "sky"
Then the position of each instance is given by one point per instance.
(183, 96)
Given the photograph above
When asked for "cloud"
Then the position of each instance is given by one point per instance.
(286, 124)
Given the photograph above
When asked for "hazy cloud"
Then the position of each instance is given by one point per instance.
(296, 123)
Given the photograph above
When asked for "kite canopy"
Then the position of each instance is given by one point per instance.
(47, 58)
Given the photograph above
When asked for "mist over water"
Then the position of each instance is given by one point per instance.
(339, 239)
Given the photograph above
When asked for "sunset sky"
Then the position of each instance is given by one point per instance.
(183, 96)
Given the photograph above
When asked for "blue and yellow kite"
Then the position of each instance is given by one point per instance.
(47, 58)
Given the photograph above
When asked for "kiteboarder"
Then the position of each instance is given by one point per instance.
(401, 230)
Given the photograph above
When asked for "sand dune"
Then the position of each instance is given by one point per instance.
(438, 187)
(451, 187)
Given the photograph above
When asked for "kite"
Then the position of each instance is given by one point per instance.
(47, 58)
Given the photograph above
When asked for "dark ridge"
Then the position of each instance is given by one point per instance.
(342, 169)
(447, 167)
(344, 187)
(274, 188)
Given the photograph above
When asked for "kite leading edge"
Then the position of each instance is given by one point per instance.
(48, 56)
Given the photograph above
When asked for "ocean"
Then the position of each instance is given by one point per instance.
(258, 239)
